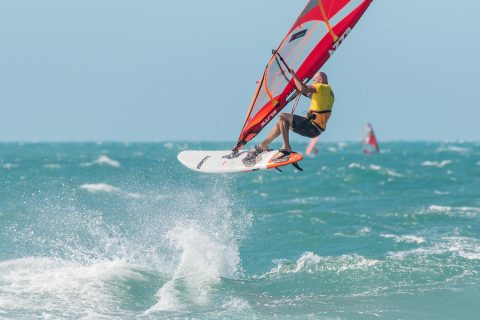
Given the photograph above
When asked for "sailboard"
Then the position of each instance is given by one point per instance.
(223, 162)
(316, 34)
(369, 141)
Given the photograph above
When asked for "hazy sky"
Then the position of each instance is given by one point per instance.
(116, 70)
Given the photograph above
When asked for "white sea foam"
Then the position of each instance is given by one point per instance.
(452, 148)
(404, 238)
(258, 179)
(312, 263)
(468, 248)
(51, 166)
(441, 193)
(464, 247)
(236, 305)
(134, 195)
(8, 166)
(168, 145)
(436, 208)
(453, 211)
(436, 163)
(99, 187)
(93, 273)
(300, 200)
(46, 286)
(387, 171)
(355, 165)
(104, 160)
(107, 188)
(316, 220)
(200, 248)
(364, 231)
(374, 167)
(203, 260)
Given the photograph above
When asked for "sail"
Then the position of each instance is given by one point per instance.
(311, 150)
(369, 141)
(314, 37)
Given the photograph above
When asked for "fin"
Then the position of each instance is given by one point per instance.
(295, 164)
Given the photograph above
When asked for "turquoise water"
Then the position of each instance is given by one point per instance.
(123, 231)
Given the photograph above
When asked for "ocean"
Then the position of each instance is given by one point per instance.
(124, 231)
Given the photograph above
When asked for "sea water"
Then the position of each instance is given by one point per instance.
(124, 231)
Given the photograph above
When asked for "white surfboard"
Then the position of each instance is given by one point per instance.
(224, 162)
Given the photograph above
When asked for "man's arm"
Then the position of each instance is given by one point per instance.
(302, 87)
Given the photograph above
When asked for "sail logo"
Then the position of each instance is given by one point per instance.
(339, 41)
(298, 35)
(268, 118)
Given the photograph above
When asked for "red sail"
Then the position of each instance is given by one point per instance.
(311, 146)
(369, 142)
(315, 36)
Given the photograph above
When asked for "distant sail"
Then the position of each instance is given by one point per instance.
(314, 37)
(311, 149)
(369, 141)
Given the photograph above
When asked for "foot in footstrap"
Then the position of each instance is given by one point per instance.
(252, 156)
(281, 156)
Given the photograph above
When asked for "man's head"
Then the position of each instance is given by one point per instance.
(320, 77)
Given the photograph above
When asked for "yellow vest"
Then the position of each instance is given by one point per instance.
(323, 99)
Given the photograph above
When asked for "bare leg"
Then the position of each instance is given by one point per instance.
(271, 136)
(282, 126)
(285, 122)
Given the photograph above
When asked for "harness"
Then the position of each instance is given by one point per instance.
(312, 116)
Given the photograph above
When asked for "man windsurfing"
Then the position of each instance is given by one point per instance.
(369, 141)
(310, 126)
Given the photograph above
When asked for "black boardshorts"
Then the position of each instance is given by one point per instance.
(304, 127)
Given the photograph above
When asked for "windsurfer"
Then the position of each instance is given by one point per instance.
(369, 141)
(310, 126)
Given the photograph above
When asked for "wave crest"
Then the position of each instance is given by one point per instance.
(99, 187)
(309, 262)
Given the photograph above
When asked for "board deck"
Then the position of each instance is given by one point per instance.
(222, 162)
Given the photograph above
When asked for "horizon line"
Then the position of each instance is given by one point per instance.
(226, 141)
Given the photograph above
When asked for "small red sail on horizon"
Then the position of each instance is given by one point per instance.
(369, 141)
(311, 149)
